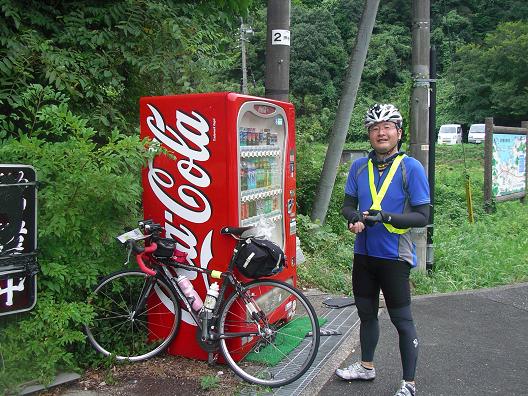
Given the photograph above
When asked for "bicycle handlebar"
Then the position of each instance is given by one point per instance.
(139, 255)
(377, 218)
(139, 258)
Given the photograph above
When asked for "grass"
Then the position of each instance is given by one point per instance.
(491, 251)
(209, 382)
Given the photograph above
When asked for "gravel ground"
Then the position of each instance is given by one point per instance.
(159, 376)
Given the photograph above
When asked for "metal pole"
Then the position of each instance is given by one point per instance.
(278, 50)
(419, 125)
(243, 49)
(429, 261)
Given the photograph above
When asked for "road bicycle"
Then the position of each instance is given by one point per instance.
(266, 330)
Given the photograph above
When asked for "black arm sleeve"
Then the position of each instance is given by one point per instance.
(349, 209)
(418, 217)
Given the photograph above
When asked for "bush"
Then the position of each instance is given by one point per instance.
(88, 193)
(328, 256)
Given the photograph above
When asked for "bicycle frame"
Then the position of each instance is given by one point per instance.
(201, 319)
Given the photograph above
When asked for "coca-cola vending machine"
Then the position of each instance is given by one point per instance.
(233, 165)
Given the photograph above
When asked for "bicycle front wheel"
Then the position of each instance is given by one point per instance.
(136, 316)
(269, 333)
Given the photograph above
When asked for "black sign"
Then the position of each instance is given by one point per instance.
(18, 238)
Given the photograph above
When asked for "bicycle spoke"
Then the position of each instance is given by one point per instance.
(280, 353)
(130, 322)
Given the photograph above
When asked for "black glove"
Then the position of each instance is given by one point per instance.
(374, 216)
(354, 217)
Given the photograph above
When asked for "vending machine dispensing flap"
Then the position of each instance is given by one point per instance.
(18, 242)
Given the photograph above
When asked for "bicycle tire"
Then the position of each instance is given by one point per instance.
(288, 338)
(113, 330)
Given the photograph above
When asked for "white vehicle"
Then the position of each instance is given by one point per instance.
(450, 134)
(476, 133)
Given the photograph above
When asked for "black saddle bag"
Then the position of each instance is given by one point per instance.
(258, 258)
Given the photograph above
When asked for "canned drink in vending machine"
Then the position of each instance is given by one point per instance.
(244, 210)
(252, 174)
(252, 208)
(243, 136)
(243, 175)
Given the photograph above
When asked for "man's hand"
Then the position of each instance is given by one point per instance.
(372, 216)
(356, 227)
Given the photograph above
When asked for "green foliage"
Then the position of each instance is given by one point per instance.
(318, 57)
(488, 253)
(42, 342)
(492, 79)
(310, 158)
(447, 104)
(103, 56)
(78, 217)
(387, 63)
(328, 256)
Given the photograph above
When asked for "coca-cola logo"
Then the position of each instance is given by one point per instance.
(189, 141)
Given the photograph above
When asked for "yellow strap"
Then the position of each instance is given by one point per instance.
(378, 197)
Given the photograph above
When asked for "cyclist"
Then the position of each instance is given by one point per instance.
(392, 189)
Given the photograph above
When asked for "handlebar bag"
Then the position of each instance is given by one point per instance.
(259, 257)
(166, 248)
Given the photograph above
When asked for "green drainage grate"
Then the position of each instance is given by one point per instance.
(287, 339)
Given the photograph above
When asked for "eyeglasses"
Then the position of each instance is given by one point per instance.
(387, 127)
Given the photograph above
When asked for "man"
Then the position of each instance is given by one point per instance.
(385, 194)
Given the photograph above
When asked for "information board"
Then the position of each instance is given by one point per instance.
(508, 164)
(18, 241)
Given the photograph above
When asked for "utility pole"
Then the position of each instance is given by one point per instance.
(244, 31)
(419, 122)
(429, 262)
(278, 50)
(344, 111)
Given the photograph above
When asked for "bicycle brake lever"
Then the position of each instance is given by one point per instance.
(129, 254)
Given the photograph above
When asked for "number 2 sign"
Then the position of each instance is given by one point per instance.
(280, 37)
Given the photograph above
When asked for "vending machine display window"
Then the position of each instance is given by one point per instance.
(262, 140)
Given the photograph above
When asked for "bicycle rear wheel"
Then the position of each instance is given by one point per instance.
(269, 333)
(136, 316)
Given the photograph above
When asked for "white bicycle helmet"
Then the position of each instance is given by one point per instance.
(383, 112)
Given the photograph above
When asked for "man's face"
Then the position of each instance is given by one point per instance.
(384, 136)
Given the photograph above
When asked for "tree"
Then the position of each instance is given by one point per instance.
(318, 57)
(344, 111)
(104, 55)
(71, 74)
(491, 79)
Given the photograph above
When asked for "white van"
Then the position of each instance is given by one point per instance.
(476, 133)
(450, 134)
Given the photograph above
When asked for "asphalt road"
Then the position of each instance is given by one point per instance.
(471, 343)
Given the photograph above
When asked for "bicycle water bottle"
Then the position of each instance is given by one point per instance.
(212, 297)
(192, 296)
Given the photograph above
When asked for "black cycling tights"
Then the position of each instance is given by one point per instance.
(369, 333)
